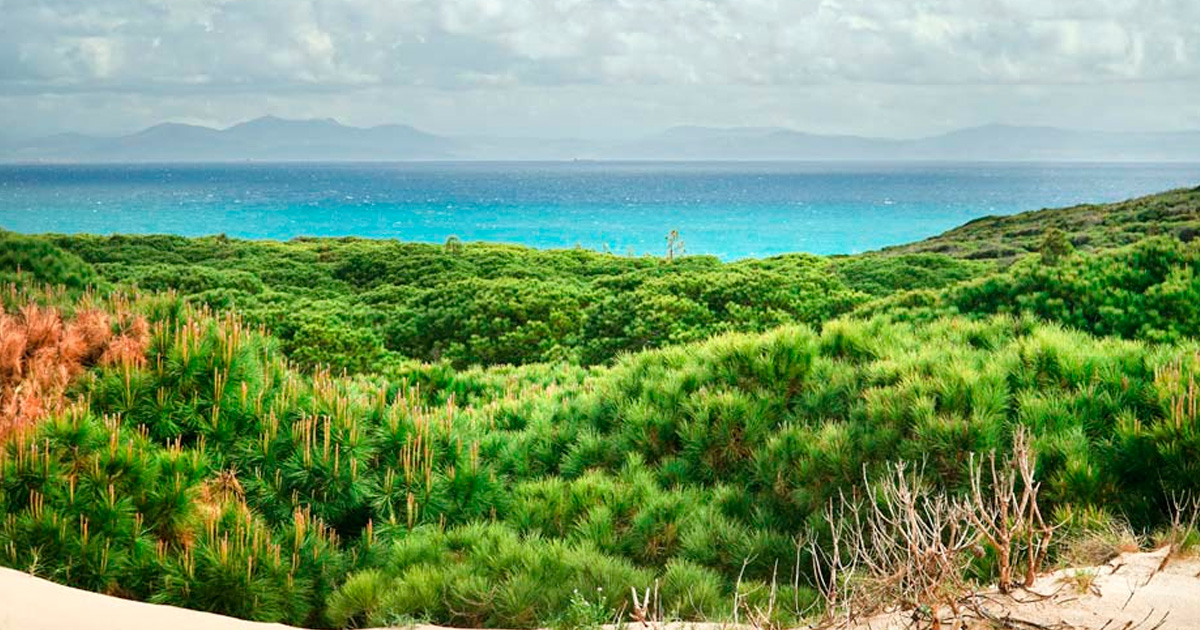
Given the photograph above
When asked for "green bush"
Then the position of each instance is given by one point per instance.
(691, 592)
(880, 276)
(357, 600)
(42, 262)
(1145, 291)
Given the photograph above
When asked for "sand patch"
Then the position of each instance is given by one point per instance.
(1144, 590)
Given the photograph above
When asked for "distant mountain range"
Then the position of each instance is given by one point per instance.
(276, 139)
(991, 142)
(263, 139)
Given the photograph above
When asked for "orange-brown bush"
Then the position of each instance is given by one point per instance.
(42, 352)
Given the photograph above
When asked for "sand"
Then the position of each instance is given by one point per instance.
(1135, 590)
(1143, 590)
(30, 603)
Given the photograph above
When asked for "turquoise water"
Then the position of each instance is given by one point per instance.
(733, 210)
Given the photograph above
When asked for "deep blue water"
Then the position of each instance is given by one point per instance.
(733, 210)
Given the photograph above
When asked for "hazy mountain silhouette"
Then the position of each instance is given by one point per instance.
(277, 139)
(990, 142)
(263, 139)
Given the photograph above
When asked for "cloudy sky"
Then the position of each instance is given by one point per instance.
(599, 68)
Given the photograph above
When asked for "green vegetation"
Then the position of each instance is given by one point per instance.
(42, 261)
(520, 437)
(1149, 290)
(879, 276)
(1087, 227)
(361, 305)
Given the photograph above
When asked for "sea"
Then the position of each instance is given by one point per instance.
(729, 210)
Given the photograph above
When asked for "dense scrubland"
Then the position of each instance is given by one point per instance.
(338, 433)
(363, 305)
(1088, 227)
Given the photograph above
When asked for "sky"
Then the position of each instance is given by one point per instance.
(602, 68)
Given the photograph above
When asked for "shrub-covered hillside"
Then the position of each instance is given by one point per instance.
(1149, 290)
(1088, 227)
(208, 473)
(360, 305)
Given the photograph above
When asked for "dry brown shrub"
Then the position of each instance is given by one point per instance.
(43, 326)
(907, 547)
(128, 349)
(219, 492)
(94, 328)
(125, 352)
(12, 348)
(41, 353)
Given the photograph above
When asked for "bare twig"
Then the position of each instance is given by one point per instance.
(905, 547)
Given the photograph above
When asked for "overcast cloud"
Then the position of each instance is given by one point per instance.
(602, 67)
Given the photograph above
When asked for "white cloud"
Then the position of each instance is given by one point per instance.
(861, 49)
(616, 41)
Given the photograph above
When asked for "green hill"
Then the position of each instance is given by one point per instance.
(1087, 227)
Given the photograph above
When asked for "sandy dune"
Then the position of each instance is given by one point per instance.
(29, 603)
(1142, 591)
(1134, 588)
(1137, 590)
